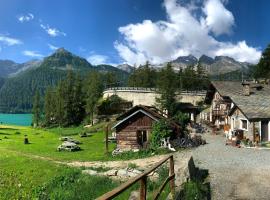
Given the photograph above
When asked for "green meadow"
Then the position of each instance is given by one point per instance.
(32, 171)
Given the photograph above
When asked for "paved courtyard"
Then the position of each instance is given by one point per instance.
(234, 173)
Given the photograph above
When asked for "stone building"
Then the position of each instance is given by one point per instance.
(241, 106)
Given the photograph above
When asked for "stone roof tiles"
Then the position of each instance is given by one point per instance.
(254, 106)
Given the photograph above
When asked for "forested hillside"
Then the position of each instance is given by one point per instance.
(16, 94)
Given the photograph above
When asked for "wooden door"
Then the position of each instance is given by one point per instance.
(264, 130)
(141, 137)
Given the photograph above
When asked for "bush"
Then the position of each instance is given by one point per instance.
(160, 130)
(195, 190)
(182, 119)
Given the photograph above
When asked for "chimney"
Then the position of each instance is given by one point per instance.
(246, 88)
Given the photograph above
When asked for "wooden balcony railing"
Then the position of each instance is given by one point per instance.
(217, 112)
(143, 183)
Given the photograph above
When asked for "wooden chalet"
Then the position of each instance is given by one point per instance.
(134, 127)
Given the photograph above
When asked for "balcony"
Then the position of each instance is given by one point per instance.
(218, 112)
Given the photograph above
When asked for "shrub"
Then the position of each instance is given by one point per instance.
(132, 166)
(182, 118)
(160, 130)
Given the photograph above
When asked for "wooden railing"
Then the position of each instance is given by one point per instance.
(143, 182)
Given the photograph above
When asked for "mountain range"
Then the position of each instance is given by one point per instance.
(19, 82)
(212, 66)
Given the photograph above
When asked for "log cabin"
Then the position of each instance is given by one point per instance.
(133, 129)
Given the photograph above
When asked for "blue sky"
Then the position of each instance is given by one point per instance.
(133, 31)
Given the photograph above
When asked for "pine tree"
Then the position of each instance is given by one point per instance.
(50, 107)
(78, 102)
(59, 109)
(94, 89)
(144, 76)
(37, 110)
(167, 86)
(67, 99)
(262, 69)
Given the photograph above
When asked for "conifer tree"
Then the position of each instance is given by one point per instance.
(78, 102)
(37, 110)
(262, 69)
(94, 89)
(167, 86)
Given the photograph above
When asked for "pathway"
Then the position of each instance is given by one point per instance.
(235, 173)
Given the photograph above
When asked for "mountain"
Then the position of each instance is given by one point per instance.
(8, 67)
(218, 65)
(206, 60)
(184, 61)
(16, 94)
(126, 67)
(225, 64)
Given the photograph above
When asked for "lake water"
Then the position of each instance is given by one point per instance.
(16, 119)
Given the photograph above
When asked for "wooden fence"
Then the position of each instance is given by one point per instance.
(143, 182)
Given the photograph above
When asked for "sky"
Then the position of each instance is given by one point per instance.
(134, 31)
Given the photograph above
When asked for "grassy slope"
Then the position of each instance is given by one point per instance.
(23, 175)
(45, 142)
(26, 178)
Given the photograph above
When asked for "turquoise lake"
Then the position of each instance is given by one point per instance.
(16, 119)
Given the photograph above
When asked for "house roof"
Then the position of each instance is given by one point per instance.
(150, 111)
(255, 106)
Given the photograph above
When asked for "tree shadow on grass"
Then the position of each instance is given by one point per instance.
(9, 129)
(1, 133)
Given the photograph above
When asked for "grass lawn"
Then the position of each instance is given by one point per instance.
(27, 171)
(26, 178)
(45, 142)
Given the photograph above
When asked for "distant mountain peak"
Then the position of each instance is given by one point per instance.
(190, 60)
(204, 59)
(61, 50)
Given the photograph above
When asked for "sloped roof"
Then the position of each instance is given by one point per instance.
(150, 111)
(254, 106)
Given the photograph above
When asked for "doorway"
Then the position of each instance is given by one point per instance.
(264, 131)
(141, 137)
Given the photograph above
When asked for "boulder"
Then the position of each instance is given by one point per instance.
(89, 172)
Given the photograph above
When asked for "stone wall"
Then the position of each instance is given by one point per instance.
(148, 97)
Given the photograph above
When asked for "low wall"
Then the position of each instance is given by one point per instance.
(148, 96)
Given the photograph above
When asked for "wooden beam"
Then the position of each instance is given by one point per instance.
(115, 192)
(143, 188)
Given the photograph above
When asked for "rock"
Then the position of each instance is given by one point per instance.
(128, 172)
(153, 176)
(89, 172)
(134, 195)
(122, 172)
(112, 172)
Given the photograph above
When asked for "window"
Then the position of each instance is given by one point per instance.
(244, 123)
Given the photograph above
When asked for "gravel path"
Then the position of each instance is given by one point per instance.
(235, 173)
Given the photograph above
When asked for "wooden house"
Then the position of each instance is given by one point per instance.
(134, 127)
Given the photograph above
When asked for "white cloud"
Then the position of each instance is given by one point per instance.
(32, 54)
(53, 32)
(52, 47)
(25, 18)
(240, 51)
(181, 34)
(218, 19)
(96, 59)
(9, 41)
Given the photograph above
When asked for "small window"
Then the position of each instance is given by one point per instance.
(244, 124)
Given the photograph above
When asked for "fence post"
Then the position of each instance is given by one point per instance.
(172, 185)
(107, 139)
(143, 188)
